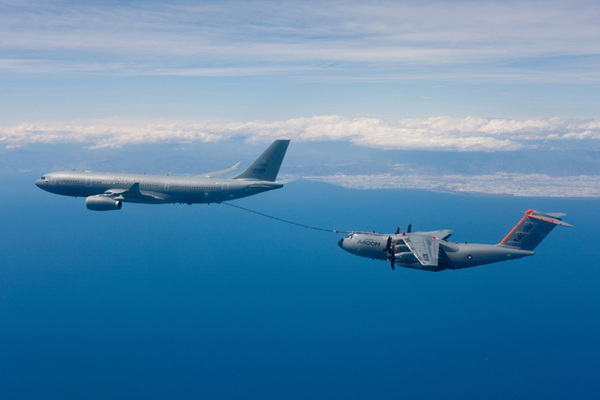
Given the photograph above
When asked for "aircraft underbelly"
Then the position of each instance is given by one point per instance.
(473, 255)
(377, 254)
(433, 268)
(75, 190)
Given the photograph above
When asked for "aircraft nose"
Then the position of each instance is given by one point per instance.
(341, 243)
(42, 183)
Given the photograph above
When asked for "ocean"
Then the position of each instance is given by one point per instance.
(211, 302)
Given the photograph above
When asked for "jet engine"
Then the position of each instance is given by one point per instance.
(102, 203)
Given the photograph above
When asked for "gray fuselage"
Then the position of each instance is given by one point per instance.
(452, 255)
(159, 188)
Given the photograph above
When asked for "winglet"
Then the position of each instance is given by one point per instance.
(134, 189)
(132, 192)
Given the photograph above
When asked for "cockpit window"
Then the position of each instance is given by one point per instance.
(43, 177)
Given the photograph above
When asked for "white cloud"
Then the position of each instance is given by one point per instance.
(434, 133)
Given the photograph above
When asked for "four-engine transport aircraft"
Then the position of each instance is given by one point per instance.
(431, 252)
(108, 191)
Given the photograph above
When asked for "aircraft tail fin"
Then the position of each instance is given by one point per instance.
(266, 166)
(532, 229)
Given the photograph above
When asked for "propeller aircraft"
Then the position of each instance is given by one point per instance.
(430, 251)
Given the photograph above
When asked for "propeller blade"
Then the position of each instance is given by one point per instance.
(388, 244)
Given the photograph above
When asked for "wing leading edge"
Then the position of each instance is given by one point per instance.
(133, 194)
(425, 249)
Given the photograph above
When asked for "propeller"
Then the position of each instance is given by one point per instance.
(392, 256)
(391, 252)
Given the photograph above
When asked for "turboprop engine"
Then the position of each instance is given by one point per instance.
(102, 203)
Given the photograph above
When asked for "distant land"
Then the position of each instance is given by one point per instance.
(500, 183)
(538, 173)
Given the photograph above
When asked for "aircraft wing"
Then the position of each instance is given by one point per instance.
(425, 249)
(221, 172)
(133, 193)
(442, 234)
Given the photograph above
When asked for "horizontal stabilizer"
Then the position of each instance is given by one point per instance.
(221, 172)
(554, 218)
(283, 182)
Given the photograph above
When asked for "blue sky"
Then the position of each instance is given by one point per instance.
(395, 76)
(406, 60)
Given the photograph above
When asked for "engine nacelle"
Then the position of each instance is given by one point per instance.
(102, 203)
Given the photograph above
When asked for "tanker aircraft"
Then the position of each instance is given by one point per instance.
(107, 191)
(430, 251)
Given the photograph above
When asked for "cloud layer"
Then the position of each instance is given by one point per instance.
(343, 39)
(434, 133)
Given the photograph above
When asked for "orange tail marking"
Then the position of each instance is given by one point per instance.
(519, 223)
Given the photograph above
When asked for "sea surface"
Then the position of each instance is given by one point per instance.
(211, 302)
